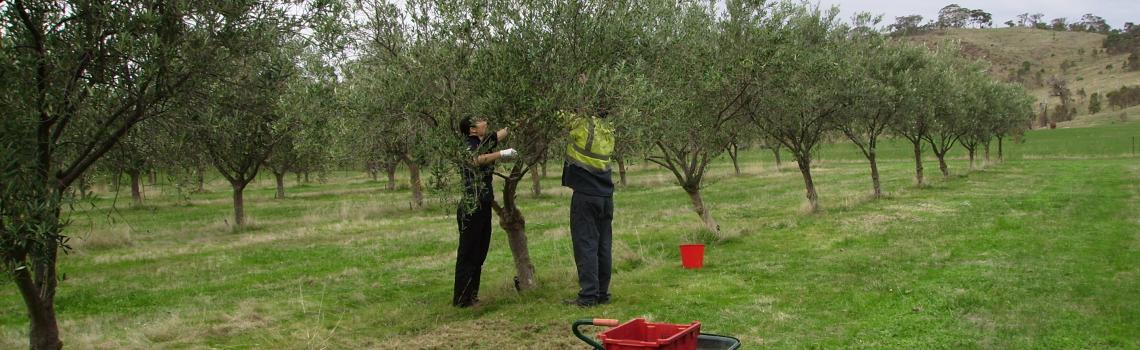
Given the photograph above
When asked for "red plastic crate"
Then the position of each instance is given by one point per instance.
(638, 334)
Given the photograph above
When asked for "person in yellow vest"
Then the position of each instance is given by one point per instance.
(587, 172)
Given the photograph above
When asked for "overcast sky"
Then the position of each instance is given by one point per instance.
(1115, 12)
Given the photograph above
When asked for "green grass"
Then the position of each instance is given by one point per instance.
(1042, 251)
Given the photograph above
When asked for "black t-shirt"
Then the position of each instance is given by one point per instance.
(477, 179)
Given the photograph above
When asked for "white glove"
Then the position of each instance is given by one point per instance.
(508, 154)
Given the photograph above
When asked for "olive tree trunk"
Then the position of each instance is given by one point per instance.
(621, 171)
(373, 170)
(986, 151)
(733, 152)
(201, 179)
(776, 153)
(239, 204)
(536, 183)
(513, 222)
(39, 298)
(701, 209)
(136, 189)
(416, 184)
(280, 176)
(391, 172)
(942, 163)
(917, 161)
(1001, 155)
(873, 158)
(809, 185)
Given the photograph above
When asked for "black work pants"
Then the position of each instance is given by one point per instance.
(474, 240)
(591, 219)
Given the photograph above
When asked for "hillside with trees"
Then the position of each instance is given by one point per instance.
(1058, 68)
(1071, 66)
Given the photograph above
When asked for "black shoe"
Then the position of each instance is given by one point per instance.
(473, 303)
(603, 300)
(580, 302)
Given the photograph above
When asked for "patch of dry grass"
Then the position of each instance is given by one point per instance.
(116, 236)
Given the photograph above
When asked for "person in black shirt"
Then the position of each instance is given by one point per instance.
(474, 212)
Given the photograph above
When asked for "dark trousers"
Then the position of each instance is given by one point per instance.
(591, 231)
(474, 240)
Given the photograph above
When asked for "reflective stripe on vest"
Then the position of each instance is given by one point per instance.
(594, 153)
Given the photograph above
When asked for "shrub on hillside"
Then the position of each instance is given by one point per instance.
(1061, 113)
(1126, 96)
(1094, 103)
(1067, 64)
(1123, 41)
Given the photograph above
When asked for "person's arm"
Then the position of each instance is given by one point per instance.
(567, 119)
(489, 158)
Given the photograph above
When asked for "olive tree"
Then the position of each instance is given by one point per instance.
(308, 102)
(236, 115)
(78, 77)
(952, 102)
(885, 90)
(983, 111)
(917, 124)
(805, 83)
(392, 93)
(132, 155)
(693, 92)
(373, 139)
(308, 105)
(529, 69)
(516, 64)
(447, 59)
(1015, 111)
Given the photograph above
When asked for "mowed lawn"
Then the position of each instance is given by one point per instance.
(1041, 251)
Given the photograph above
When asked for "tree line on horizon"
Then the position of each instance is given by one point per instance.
(956, 16)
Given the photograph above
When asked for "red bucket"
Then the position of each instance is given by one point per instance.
(692, 256)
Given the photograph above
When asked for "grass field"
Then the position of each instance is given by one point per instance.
(1042, 251)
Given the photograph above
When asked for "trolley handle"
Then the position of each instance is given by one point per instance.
(592, 322)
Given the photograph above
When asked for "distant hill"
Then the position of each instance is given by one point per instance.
(1089, 68)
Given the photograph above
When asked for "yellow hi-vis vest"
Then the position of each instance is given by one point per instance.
(591, 142)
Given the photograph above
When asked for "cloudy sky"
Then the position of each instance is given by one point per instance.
(1115, 12)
